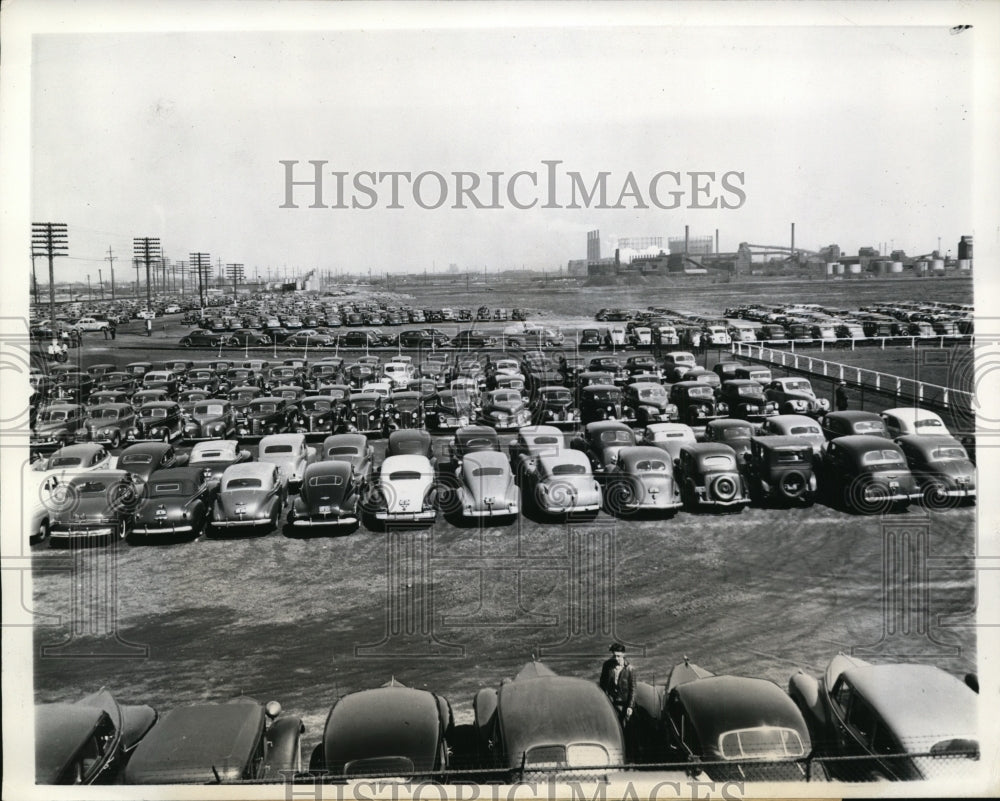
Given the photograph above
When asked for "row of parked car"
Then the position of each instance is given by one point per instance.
(858, 722)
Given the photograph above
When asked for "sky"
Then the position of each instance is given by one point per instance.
(859, 134)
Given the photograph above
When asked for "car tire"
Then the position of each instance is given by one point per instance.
(872, 499)
(186, 344)
(116, 440)
(725, 488)
(793, 485)
(935, 496)
(166, 436)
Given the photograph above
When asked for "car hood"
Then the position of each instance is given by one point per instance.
(507, 407)
(205, 419)
(48, 428)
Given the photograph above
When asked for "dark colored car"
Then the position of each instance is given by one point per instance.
(240, 399)
(473, 339)
(87, 742)
(108, 424)
(795, 395)
(248, 337)
(250, 497)
(416, 339)
(504, 409)
(210, 419)
(103, 505)
(144, 458)
(175, 502)
(392, 730)
(648, 403)
(540, 719)
(74, 387)
(609, 364)
(449, 409)
(239, 377)
(570, 367)
(600, 402)
(601, 441)
(734, 433)
(695, 402)
(867, 474)
(896, 721)
(363, 413)
(780, 470)
(203, 378)
(217, 743)
(411, 441)
(351, 448)
(944, 473)
(590, 339)
(328, 497)
(56, 425)
(403, 410)
(143, 396)
(159, 420)
(202, 338)
(709, 474)
(470, 439)
(732, 728)
(265, 415)
(846, 423)
(317, 414)
(553, 405)
(116, 380)
(745, 399)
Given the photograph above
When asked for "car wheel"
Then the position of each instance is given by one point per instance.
(793, 485)
(43, 531)
(166, 436)
(725, 488)
(935, 496)
(116, 440)
(123, 530)
(186, 344)
(871, 499)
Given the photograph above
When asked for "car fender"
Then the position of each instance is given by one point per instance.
(805, 692)
(285, 752)
(136, 722)
(484, 708)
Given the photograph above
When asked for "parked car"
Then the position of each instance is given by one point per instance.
(745, 399)
(669, 437)
(57, 425)
(532, 442)
(73, 387)
(601, 442)
(563, 484)
(318, 414)
(329, 497)
(896, 721)
(390, 730)
(353, 449)
(157, 420)
(175, 501)
(762, 375)
(161, 379)
(734, 433)
(641, 480)
(212, 457)
(363, 413)
(470, 439)
(543, 720)
(913, 420)
(103, 505)
(201, 338)
(795, 396)
(411, 441)
(647, 402)
(210, 419)
(553, 406)
(780, 470)
(76, 458)
(263, 416)
(486, 487)
(405, 491)
(682, 359)
(250, 497)
(795, 425)
(867, 474)
(504, 409)
(590, 339)
(290, 453)
(695, 402)
(144, 458)
(709, 475)
(733, 728)
(238, 741)
(106, 424)
(403, 410)
(842, 424)
(89, 741)
(600, 402)
(942, 468)
(203, 378)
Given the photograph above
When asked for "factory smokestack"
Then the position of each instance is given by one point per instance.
(685, 240)
(793, 239)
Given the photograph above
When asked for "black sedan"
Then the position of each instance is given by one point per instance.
(175, 503)
(329, 497)
(202, 338)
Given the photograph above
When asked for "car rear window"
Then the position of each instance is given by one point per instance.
(953, 452)
(157, 412)
(171, 488)
(616, 436)
(206, 455)
(748, 391)
(887, 456)
(278, 449)
(650, 465)
(929, 422)
(243, 483)
(326, 481)
(866, 426)
(699, 392)
(406, 475)
(800, 430)
(487, 471)
(265, 407)
(569, 470)
(91, 487)
(719, 462)
(65, 461)
(761, 743)
(137, 458)
(544, 441)
(798, 386)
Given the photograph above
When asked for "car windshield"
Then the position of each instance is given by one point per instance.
(65, 461)
(201, 375)
(104, 414)
(328, 480)
(949, 453)
(558, 396)
(406, 475)
(54, 416)
(650, 465)
(783, 457)
(612, 437)
(506, 397)
(798, 386)
(406, 404)
(207, 456)
(316, 405)
(266, 407)
(720, 461)
(364, 404)
(278, 449)
(760, 375)
(92, 487)
(886, 456)
(243, 483)
(605, 396)
(869, 426)
(747, 391)
(245, 395)
(699, 392)
(159, 411)
(804, 430)
(736, 432)
(137, 458)
(209, 408)
(653, 393)
(160, 488)
(761, 743)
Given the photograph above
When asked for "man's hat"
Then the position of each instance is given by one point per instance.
(617, 648)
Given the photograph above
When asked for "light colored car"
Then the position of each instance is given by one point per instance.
(531, 443)
(250, 496)
(795, 395)
(398, 373)
(669, 437)
(351, 448)
(214, 456)
(90, 324)
(487, 486)
(289, 452)
(565, 483)
(405, 490)
(382, 388)
(76, 458)
(795, 425)
(912, 420)
(642, 479)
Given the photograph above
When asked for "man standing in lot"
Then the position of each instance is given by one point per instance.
(840, 396)
(112, 328)
(618, 683)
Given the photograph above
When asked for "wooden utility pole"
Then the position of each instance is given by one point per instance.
(110, 259)
(50, 240)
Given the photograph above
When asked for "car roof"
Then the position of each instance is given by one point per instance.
(60, 730)
(155, 448)
(359, 441)
(187, 743)
(565, 456)
(98, 475)
(864, 442)
(281, 439)
(922, 704)
(717, 704)
(636, 453)
(708, 449)
(854, 415)
(539, 431)
(672, 428)
(590, 388)
(486, 459)
(729, 422)
(793, 419)
(911, 413)
(637, 385)
(407, 461)
(116, 406)
(606, 425)
(407, 434)
(87, 449)
(227, 446)
(925, 444)
(261, 470)
(327, 467)
(476, 431)
(389, 721)
(782, 442)
(177, 474)
(163, 404)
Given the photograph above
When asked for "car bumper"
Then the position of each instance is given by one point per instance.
(498, 511)
(322, 521)
(655, 505)
(567, 510)
(428, 516)
(153, 529)
(249, 522)
(89, 533)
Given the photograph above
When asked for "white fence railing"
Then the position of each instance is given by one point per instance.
(906, 389)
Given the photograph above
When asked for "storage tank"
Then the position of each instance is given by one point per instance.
(937, 265)
(880, 267)
(965, 264)
(896, 267)
(855, 268)
(831, 268)
(965, 249)
(921, 267)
